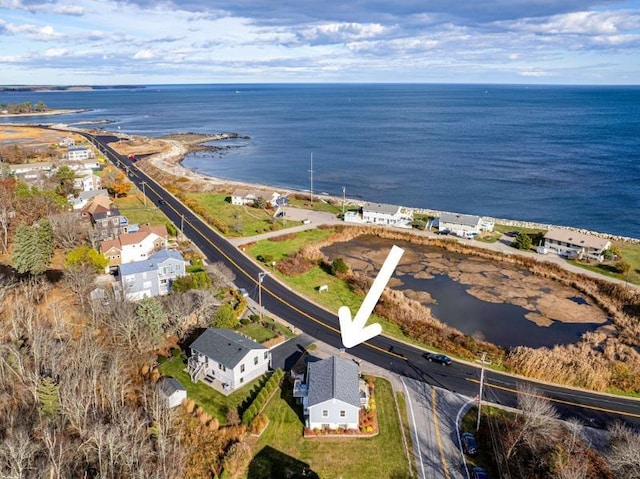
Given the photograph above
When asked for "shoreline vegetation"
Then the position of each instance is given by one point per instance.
(598, 361)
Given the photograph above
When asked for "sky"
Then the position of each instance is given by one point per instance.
(74, 42)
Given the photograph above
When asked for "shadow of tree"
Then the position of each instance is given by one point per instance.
(270, 463)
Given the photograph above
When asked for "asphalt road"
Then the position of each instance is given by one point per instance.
(390, 354)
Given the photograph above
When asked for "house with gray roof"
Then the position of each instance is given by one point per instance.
(463, 225)
(228, 359)
(171, 391)
(152, 276)
(381, 214)
(569, 242)
(333, 398)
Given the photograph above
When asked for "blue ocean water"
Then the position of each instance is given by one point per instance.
(567, 155)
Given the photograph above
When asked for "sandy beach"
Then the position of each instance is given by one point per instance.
(40, 113)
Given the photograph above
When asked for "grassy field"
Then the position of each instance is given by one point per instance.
(500, 228)
(278, 250)
(133, 207)
(241, 220)
(317, 205)
(308, 283)
(260, 332)
(213, 402)
(381, 456)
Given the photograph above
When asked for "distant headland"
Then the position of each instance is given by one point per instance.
(41, 88)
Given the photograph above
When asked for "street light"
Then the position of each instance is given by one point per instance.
(144, 194)
(483, 362)
(261, 276)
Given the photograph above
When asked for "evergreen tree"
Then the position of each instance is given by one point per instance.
(33, 248)
(150, 313)
(523, 242)
(47, 392)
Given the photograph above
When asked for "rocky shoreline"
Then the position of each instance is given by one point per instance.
(182, 144)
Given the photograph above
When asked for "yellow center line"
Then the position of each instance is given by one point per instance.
(559, 401)
(438, 438)
(264, 289)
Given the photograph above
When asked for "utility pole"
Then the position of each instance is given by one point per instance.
(311, 181)
(483, 362)
(344, 193)
(182, 225)
(261, 276)
(144, 194)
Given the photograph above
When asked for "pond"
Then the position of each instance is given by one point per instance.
(503, 304)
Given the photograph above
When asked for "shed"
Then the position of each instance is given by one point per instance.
(171, 391)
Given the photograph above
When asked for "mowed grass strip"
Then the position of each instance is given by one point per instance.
(132, 206)
(356, 458)
(241, 220)
(213, 402)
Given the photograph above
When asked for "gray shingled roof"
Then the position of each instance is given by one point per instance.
(167, 386)
(381, 208)
(149, 264)
(333, 377)
(224, 346)
(466, 220)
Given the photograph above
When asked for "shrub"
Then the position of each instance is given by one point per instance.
(175, 352)
(244, 321)
(339, 267)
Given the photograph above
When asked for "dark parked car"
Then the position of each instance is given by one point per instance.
(161, 201)
(469, 443)
(479, 473)
(438, 358)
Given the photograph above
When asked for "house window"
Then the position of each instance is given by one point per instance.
(343, 413)
(325, 413)
(265, 354)
(255, 360)
(242, 368)
(241, 380)
(222, 367)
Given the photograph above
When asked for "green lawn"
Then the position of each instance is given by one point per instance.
(133, 207)
(278, 250)
(317, 205)
(257, 332)
(212, 401)
(382, 456)
(241, 220)
(505, 228)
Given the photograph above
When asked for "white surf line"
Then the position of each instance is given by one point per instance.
(415, 428)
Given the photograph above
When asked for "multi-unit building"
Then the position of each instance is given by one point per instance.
(576, 244)
(151, 277)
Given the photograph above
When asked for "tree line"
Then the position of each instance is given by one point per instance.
(24, 107)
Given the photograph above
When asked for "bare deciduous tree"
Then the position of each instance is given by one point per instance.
(624, 453)
(69, 230)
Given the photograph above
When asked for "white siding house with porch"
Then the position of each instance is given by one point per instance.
(333, 394)
(381, 214)
(463, 225)
(228, 357)
(563, 241)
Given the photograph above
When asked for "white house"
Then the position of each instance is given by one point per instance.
(152, 277)
(87, 181)
(79, 153)
(228, 357)
(84, 197)
(247, 197)
(67, 141)
(138, 246)
(564, 241)
(333, 394)
(463, 225)
(381, 214)
(171, 392)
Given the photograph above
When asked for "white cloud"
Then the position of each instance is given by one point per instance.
(534, 73)
(74, 10)
(143, 55)
(55, 52)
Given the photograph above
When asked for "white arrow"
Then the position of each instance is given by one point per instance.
(354, 332)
